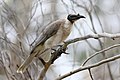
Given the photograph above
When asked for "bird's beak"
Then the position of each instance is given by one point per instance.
(76, 17)
(80, 16)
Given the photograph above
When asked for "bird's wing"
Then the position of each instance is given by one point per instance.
(49, 31)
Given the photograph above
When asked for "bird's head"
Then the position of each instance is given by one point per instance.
(72, 17)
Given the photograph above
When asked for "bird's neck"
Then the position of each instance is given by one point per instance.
(68, 24)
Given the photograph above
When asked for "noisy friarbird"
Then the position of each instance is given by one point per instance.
(53, 34)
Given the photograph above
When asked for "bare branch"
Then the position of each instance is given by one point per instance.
(90, 74)
(62, 49)
(95, 36)
(89, 66)
(106, 49)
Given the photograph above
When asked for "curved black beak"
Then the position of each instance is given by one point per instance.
(80, 16)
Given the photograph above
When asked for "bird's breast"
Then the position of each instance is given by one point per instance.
(62, 33)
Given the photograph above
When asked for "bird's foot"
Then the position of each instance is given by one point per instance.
(64, 51)
(53, 50)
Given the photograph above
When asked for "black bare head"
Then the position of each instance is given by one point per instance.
(72, 17)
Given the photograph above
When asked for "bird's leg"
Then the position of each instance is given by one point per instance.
(60, 46)
(64, 51)
(55, 48)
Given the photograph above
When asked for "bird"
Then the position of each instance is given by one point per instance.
(53, 34)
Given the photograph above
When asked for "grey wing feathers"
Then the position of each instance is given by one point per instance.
(49, 31)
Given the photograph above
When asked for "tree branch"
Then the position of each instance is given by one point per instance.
(55, 55)
(95, 36)
(89, 66)
(106, 49)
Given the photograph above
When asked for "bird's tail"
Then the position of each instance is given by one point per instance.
(25, 64)
(29, 59)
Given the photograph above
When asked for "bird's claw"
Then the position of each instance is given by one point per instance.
(66, 53)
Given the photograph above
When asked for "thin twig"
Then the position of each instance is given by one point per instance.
(90, 73)
(106, 49)
(88, 67)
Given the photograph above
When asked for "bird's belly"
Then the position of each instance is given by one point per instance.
(57, 39)
(53, 41)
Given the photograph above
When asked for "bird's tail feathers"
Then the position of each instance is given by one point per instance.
(29, 59)
(26, 63)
